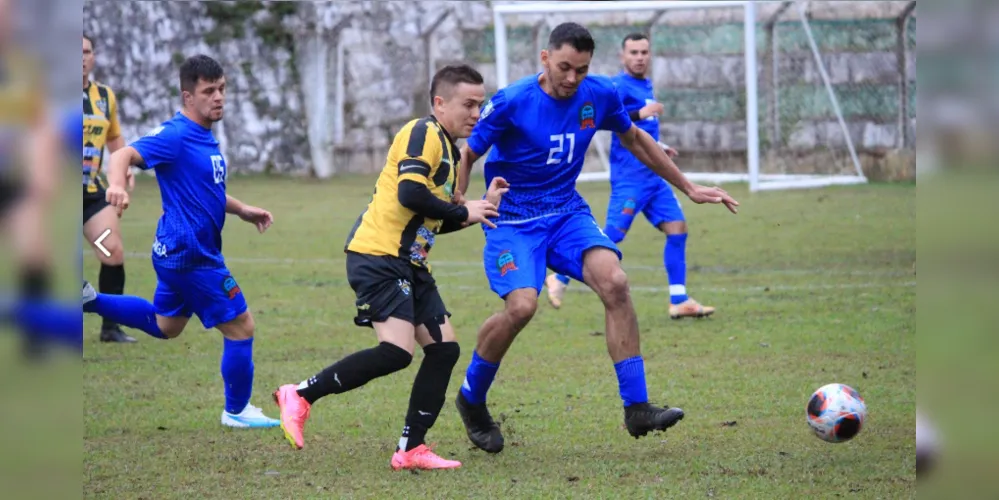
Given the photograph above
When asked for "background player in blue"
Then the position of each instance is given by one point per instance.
(539, 128)
(187, 254)
(635, 188)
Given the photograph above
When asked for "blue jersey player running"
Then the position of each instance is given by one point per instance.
(192, 277)
(540, 128)
(635, 188)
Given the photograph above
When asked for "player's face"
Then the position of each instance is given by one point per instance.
(88, 57)
(565, 68)
(207, 99)
(460, 111)
(635, 57)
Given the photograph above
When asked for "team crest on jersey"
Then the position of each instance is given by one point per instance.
(486, 110)
(230, 287)
(102, 105)
(587, 116)
(505, 262)
(629, 207)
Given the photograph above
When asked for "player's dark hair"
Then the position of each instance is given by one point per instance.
(634, 37)
(450, 76)
(93, 46)
(199, 67)
(573, 34)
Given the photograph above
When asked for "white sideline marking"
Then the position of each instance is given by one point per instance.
(447, 264)
(580, 288)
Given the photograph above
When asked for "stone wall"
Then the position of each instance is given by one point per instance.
(283, 113)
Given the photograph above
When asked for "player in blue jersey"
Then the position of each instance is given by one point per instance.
(187, 253)
(635, 188)
(540, 128)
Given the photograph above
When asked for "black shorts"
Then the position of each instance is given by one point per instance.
(11, 192)
(93, 203)
(392, 287)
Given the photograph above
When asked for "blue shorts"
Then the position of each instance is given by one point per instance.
(657, 203)
(517, 254)
(212, 294)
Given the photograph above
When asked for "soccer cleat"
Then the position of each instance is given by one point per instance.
(690, 309)
(642, 418)
(89, 294)
(294, 412)
(482, 430)
(556, 289)
(421, 457)
(250, 418)
(114, 334)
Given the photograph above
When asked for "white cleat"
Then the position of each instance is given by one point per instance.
(89, 294)
(250, 418)
(556, 289)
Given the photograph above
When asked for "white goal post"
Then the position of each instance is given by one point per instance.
(757, 181)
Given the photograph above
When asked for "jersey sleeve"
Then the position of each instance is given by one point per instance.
(114, 130)
(159, 147)
(615, 119)
(493, 121)
(422, 155)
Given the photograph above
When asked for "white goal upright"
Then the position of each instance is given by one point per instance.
(713, 111)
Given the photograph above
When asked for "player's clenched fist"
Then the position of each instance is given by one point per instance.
(481, 211)
(117, 197)
(703, 194)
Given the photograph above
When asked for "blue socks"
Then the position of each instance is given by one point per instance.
(675, 262)
(478, 377)
(129, 310)
(50, 321)
(237, 373)
(631, 381)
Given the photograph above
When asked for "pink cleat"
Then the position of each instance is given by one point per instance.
(421, 458)
(294, 412)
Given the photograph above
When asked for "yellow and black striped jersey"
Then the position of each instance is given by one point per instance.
(22, 103)
(423, 152)
(100, 126)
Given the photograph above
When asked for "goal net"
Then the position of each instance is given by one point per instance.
(770, 116)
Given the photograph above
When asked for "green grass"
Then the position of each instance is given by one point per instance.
(812, 287)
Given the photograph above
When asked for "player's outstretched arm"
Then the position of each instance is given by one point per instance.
(249, 213)
(648, 151)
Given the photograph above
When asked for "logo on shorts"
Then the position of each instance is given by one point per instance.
(505, 262)
(587, 116)
(404, 286)
(230, 287)
(629, 207)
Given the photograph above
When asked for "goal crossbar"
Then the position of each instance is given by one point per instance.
(756, 180)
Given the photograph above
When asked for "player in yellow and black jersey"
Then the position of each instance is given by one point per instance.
(388, 270)
(101, 131)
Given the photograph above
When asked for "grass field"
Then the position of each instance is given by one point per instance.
(812, 287)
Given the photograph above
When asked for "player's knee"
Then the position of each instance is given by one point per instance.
(613, 288)
(171, 329)
(444, 354)
(394, 358)
(117, 257)
(241, 328)
(520, 309)
(674, 228)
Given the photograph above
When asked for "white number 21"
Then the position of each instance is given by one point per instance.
(560, 138)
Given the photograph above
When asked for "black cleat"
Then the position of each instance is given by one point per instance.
(114, 334)
(642, 418)
(482, 430)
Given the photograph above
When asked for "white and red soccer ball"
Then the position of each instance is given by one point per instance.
(836, 413)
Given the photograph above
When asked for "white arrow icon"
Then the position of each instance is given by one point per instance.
(97, 242)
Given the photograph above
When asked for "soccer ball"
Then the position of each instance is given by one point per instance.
(836, 413)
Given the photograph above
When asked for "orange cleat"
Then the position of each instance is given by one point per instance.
(423, 458)
(294, 412)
